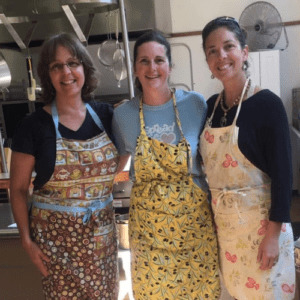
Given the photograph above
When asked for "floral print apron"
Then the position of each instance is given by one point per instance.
(241, 200)
(172, 239)
(72, 219)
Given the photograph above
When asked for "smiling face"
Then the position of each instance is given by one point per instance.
(224, 55)
(152, 66)
(67, 82)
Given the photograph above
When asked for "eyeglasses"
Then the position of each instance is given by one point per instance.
(58, 67)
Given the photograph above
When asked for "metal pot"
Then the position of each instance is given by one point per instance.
(5, 76)
(119, 66)
(122, 228)
(106, 50)
(120, 70)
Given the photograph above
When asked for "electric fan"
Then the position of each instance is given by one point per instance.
(262, 25)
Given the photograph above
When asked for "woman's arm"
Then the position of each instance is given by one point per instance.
(123, 162)
(277, 151)
(20, 177)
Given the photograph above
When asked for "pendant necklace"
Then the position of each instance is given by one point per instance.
(223, 121)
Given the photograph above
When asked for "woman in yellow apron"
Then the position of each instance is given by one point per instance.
(172, 239)
(247, 156)
(70, 235)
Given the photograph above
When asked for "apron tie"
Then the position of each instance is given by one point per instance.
(96, 205)
(93, 207)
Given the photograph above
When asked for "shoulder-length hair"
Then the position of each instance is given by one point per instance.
(78, 50)
(150, 36)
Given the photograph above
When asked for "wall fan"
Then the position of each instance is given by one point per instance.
(262, 25)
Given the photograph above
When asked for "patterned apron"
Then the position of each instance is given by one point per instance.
(241, 200)
(72, 219)
(173, 243)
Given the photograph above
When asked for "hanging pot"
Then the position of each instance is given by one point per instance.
(120, 69)
(5, 76)
(106, 50)
(119, 66)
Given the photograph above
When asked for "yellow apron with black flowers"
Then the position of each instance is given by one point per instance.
(241, 200)
(172, 238)
(72, 219)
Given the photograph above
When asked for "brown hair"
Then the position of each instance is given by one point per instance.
(150, 36)
(230, 24)
(47, 55)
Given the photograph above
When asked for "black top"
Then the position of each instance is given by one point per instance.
(35, 135)
(264, 139)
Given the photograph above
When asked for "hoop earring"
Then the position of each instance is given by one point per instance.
(212, 76)
(245, 66)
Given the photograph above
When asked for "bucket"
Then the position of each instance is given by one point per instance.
(122, 228)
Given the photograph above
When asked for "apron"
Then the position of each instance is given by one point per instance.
(72, 218)
(241, 200)
(172, 239)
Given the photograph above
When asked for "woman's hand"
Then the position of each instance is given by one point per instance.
(268, 250)
(37, 256)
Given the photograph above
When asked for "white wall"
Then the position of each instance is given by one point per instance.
(192, 15)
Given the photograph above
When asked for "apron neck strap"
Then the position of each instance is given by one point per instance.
(241, 100)
(251, 90)
(55, 117)
(183, 139)
(142, 120)
(94, 116)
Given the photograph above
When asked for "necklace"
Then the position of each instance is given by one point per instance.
(223, 120)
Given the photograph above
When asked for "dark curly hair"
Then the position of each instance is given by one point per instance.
(230, 24)
(150, 36)
(47, 55)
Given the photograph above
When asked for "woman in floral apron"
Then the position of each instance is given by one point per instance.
(247, 156)
(172, 239)
(70, 235)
